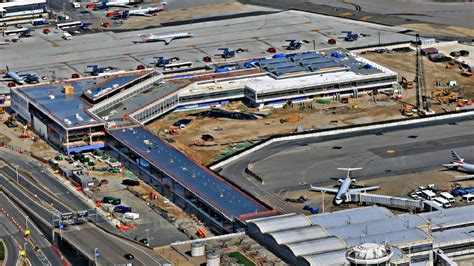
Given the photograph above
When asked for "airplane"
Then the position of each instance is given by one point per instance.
(20, 79)
(165, 38)
(342, 193)
(459, 165)
(149, 11)
(118, 3)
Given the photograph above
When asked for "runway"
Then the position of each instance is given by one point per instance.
(292, 165)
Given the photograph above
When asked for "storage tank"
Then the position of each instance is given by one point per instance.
(197, 249)
(213, 259)
(369, 254)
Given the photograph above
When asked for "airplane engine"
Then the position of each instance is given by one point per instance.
(353, 180)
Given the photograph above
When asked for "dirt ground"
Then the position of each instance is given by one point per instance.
(437, 29)
(137, 22)
(232, 135)
(397, 186)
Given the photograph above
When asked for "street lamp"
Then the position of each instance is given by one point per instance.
(147, 237)
(96, 255)
(16, 171)
(323, 199)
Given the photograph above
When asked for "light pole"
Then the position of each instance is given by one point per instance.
(147, 237)
(96, 255)
(323, 199)
(16, 171)
(26, 222)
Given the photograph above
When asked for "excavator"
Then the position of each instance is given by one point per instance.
(407, 84)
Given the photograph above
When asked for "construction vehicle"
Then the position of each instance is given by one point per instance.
(24, 135)
(407, 110)
(350, 37)
(423, 100)
(161, 61)
(407, 84)
(466, 72)
(11, 122)
(2, 110)
(295, 44)
(228, 53)
(95, 70)
(445, 96)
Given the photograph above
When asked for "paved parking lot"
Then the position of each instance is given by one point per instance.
(43, 54)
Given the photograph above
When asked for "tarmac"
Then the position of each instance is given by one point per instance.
(292, 165)
(43, 54)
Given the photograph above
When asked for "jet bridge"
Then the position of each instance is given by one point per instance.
(390, 201)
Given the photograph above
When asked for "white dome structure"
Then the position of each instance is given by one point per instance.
(369, 254)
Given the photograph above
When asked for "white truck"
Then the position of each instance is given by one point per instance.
(131, 216)
(67, 36)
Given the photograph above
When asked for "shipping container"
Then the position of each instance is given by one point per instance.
(111, 200)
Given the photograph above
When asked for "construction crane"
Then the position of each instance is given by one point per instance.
(423, 100)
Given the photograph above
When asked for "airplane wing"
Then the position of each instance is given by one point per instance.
(464, 176)
(6, 79)
(323, 189)
(449, 165)
(363, 189)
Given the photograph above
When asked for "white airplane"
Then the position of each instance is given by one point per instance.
(459, 165)
(148, 11)
(165, 38)
(117, 3)
(20, 79)
(342, 193)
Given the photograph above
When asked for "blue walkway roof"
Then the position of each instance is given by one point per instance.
(212, 188)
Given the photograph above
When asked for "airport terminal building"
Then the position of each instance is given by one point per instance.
(109, 112)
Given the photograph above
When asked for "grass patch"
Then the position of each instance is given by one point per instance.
(241, 259)
(2, 251)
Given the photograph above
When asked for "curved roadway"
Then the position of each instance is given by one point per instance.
(291, 165)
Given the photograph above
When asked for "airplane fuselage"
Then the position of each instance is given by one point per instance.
(464, 167)
(345, 185)
(15, 77)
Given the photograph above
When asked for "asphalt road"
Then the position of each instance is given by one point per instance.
(295, 164)
(161, 231)
(44, 254)
(113, 248)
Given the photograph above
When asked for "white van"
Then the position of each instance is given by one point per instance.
(448, 197)
(67, 36)
(428, 194)
(443, 202)
(468, 197)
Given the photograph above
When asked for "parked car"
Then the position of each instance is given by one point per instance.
(129, 256)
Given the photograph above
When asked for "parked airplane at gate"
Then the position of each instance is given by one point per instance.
(165, 38)
(148, 11)
(459, 165)
(342, 193)
(20, 79)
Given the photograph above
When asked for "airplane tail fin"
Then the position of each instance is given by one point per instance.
(8, 69)
(349, 170)
(456, 157)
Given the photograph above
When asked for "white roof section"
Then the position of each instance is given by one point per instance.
(351, 216)
(401, 237)
(384, 225)
(278, 223)
(299, 234)
(330, 258)
(456, 235)
(316, 246)
(451, 217)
